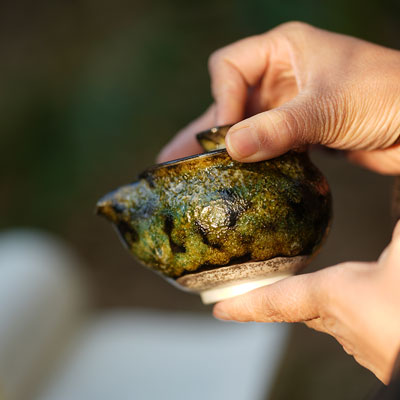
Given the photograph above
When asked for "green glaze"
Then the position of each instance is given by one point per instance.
(214, 138)
(207, 211)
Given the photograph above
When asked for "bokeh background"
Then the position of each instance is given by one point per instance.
(90, 91)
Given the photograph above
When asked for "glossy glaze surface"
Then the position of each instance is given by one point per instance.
(210, 211)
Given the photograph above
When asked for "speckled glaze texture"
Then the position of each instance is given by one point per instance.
(208, 211)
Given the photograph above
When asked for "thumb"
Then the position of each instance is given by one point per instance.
(293, 299)
(274, 132)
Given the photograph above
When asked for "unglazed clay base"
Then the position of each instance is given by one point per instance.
(226, 292)
(225, 282)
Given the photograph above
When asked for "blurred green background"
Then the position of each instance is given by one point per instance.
(91, 91)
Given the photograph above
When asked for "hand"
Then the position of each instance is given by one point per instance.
(303, 85)
(357, 303)
(298, 85)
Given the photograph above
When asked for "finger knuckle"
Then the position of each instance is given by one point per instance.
(260, 136)
(329, 323)
(220, 57)
(315, 121)
(325, 283)
(294, 26)
(331, 117)
(266, 130)
(215, 59)
(296, 125)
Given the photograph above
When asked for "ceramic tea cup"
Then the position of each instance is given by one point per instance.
(217, 227)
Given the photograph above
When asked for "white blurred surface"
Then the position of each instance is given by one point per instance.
(166, 355)
(41, 299)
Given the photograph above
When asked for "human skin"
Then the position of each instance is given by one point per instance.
(297, 85)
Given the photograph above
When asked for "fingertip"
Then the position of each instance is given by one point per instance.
(238, 309)
(258, 138)
(239, 142)
(221, 313)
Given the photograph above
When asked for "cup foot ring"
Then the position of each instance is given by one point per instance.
(226, 292)
(224, 282)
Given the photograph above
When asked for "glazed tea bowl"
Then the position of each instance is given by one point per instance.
(218, 227)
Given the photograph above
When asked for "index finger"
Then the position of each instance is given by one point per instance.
(233, 69)
(294, 299)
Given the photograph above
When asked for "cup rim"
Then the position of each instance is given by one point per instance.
(187, 158)
(184, 159)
